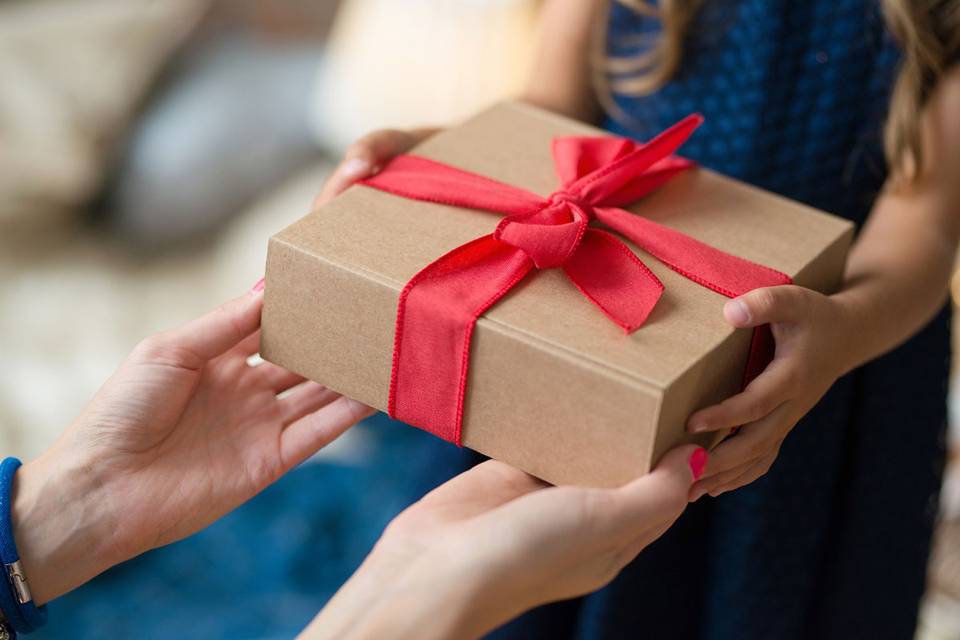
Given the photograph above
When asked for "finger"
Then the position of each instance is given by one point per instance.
(710, 483)
(480, 489)
(274, 377)
(661, 495)
(348, 172)
(244, 349)
(248, 346)
(763, 396)
(786, 303)
(303, 399)
(757, 470)
(588, 519)
(362, 159)
(307, 435)
(751, 442)
(198, 341)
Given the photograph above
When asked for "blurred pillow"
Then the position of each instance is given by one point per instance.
(419, 62)
(73, 73)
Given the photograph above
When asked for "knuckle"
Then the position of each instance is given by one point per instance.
(163, 349)
(595, 506)
(755, 409)
(793, 376)
(757, 449)
(764, 300)
(359, 149)
(151, 348)
(799, 374)
(671, 500)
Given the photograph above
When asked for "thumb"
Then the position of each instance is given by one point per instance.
(366, 157)
(191, 345)
(663, 492)
(785, 303)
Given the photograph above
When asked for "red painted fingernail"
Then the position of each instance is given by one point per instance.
(697, 462)
(259, 285)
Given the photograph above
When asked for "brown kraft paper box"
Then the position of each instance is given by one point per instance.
(554, 387)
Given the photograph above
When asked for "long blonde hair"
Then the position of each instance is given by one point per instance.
(928, 32)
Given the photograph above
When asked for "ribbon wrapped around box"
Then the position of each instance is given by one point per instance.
(408, 294)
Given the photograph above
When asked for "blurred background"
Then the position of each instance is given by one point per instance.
(148, 149)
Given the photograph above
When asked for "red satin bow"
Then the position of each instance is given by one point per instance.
(439, 307)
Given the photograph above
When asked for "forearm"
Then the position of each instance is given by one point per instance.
(898, 272)
(562, 77)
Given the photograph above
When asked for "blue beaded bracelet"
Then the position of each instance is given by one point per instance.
(16, 602)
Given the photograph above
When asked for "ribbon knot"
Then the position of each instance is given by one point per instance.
(551, 235)
(439, 306)
(562, 196)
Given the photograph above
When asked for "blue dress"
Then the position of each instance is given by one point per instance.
(833, 542)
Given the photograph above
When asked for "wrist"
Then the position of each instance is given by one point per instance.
(852, 317)
(442, 595)
(432, 596)
(62, 529)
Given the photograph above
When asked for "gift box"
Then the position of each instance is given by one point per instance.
(531, 288)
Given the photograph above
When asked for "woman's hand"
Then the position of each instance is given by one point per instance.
(810, 330)
(182, 433)
(494, 542)
(367, 156)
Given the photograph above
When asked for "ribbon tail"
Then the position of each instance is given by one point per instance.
(422, 179)
(613, 278)
(717, 270)
(436, 314)
(601, 186)
(649, 181)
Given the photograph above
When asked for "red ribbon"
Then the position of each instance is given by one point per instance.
(439, 307)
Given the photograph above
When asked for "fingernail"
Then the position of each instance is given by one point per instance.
(258, 286)
(736, 312)
(355, 167)
(698, 426)
(697, 462)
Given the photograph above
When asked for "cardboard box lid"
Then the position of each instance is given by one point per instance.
(388, 239)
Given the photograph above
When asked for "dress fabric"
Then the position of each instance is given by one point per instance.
(833, 542)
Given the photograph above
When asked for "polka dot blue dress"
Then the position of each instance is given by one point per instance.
(833, 542)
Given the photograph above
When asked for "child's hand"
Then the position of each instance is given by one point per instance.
(809, 329)
(367, 156)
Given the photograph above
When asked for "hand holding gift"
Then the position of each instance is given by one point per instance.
(495, 542)
(809, 330)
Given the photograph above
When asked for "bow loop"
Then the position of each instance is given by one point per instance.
(577, 156)
(614, 183)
